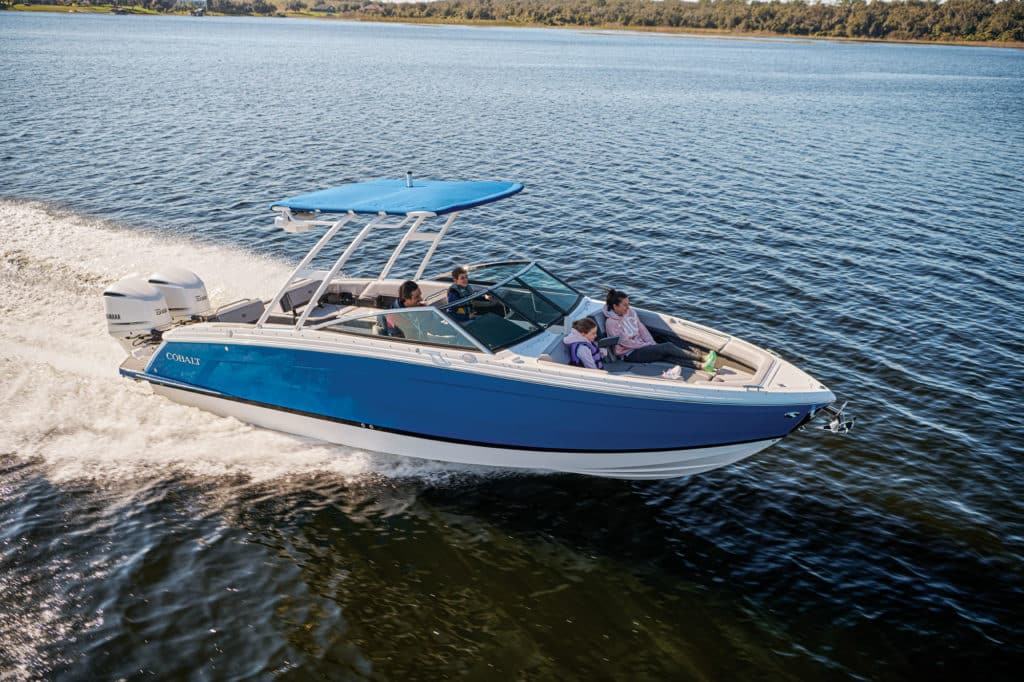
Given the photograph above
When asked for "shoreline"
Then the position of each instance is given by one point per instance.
(668, 31)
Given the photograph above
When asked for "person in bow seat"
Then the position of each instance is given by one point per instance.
(636, 343)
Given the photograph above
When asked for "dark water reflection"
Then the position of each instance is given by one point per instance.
(857, 208)
(508, 576)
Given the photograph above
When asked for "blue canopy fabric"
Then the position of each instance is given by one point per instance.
(395, 198)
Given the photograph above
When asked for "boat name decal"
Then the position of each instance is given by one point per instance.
(187, 359)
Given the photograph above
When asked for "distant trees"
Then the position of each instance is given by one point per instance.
(955, 20)
(229, 7)
(900, 19)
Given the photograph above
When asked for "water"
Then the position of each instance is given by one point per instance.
(855, 207)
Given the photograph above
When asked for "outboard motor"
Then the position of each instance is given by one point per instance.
(135, 310)
(184, 291)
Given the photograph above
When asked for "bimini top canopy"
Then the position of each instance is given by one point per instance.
(401, 197)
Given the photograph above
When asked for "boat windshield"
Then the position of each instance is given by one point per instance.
(493, 273)
(511, 302)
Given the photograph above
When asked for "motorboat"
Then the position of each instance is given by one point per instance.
(492, 388)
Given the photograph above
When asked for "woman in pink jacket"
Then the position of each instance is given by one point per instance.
(636, 343)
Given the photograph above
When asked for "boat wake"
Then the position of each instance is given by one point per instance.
(64, 401)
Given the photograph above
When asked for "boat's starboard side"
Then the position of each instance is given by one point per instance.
(470, 398)
(651, 465)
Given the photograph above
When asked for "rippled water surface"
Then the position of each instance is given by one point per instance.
(855, 207)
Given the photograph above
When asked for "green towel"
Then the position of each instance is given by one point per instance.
(709, 361)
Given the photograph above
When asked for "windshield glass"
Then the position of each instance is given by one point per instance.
(499, 327)
(554, 290)
(486, 275)
(526, 302)
(504, 309)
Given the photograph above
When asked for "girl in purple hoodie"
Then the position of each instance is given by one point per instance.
(636, 343)
(580, 342)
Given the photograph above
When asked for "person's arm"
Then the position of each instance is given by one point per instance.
(613, 326)
(644, 333)
(626, 343)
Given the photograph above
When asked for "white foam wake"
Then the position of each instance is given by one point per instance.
(60, 392)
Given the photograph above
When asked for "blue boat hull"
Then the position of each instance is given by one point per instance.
(445, 404)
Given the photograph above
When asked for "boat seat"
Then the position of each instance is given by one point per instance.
(656, 369)
(339, 298)
(379, 294)
(298, 295)
(380, 301)
(245, 310)
(602, 333)
(558, 353)
(643, 369)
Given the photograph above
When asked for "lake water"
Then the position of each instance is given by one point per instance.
(858, 208)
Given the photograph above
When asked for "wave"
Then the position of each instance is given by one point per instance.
(67, 405)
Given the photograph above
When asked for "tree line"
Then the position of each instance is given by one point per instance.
(952, 20)
(949, 20)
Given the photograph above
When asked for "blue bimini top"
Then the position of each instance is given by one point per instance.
(394, 197)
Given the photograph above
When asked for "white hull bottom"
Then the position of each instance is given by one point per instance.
(630, 465)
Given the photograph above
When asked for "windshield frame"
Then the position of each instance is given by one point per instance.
(514, 278)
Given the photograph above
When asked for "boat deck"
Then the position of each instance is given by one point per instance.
(346, 297)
